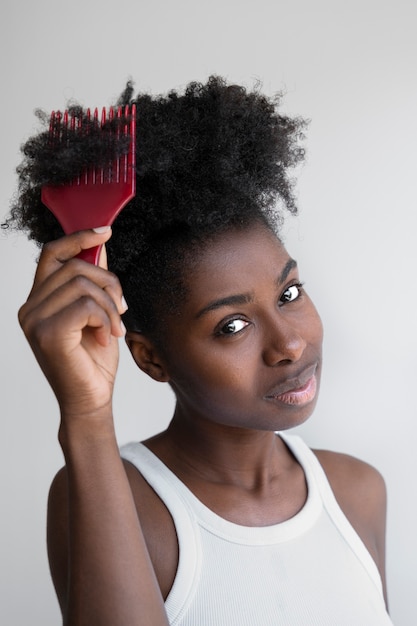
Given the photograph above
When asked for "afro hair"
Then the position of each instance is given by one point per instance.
(213, 157)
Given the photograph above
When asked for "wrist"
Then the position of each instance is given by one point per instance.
(86, 430)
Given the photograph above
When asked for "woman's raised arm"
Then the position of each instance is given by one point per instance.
(98, 556)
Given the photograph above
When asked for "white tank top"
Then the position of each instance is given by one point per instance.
(311, 570)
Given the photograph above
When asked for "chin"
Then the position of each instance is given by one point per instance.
(291, 417)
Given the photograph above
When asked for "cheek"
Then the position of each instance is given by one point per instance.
(314, 325)
(318, 330)
(208, 370)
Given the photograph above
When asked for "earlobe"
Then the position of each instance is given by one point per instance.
(146, 356)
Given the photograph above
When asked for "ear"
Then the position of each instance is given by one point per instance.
(146, 356)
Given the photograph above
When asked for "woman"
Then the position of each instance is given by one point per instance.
(223, 518)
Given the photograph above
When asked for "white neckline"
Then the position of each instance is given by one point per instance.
(236, 533)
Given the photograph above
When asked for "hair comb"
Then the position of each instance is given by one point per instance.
(96, 196)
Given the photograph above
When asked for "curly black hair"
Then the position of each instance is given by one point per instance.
(211, 158)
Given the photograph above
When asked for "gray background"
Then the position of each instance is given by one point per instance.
(351, 68)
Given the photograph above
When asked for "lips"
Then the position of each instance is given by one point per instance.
(297, 390)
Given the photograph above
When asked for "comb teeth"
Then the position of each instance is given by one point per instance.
(116, 123)
(98, 194)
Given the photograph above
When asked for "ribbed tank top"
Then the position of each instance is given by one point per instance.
(311, 570)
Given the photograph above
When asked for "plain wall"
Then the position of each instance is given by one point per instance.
(348, 66)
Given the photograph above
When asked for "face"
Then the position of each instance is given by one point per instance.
(245, 349)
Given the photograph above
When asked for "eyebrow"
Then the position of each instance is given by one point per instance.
(290, 265)
(243, 298)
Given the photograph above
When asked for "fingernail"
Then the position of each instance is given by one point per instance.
(101, 229)
(124, 304)
(123, 327)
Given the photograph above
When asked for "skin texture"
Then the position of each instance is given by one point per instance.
(247, 336)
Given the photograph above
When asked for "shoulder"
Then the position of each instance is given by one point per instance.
(360, 491)
(358, 487)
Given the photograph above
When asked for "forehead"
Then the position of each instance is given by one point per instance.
(235, 262)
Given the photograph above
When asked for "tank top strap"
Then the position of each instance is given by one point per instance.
(309, 460)
(168, 488)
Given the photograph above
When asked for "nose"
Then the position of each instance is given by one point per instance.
(284, 342)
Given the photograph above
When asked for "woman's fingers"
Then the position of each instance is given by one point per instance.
(77, 316)
(79, 272)
(79, 290)
(78, 355)
(63, 283)
(58, 252)
(53, 271)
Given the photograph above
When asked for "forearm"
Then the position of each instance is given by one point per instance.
(111, 578)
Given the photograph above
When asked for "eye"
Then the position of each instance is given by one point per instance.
(232, 327)
(291, 293)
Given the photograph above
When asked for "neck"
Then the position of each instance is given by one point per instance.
(246, 476)
(222, 454)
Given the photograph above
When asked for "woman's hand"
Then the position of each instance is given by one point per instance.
(72, 322)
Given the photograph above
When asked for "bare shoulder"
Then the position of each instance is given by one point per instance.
(354, 482)
(360, 491)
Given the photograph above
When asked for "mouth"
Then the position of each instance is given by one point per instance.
(296, 391)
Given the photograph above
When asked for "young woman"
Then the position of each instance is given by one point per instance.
(224, 518)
